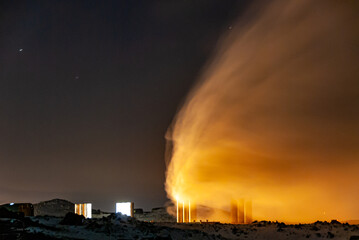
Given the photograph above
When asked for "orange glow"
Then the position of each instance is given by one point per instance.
(84, 209)
(274, 119)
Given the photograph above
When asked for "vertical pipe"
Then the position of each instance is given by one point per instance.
(240, 211)
(234, 212)
(189, 211)
(185, 213)
(193, 212)
(179, 212)
(248, 212)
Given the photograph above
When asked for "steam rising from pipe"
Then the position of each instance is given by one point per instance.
(275, 117)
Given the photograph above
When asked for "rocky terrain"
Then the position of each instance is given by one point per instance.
(159, 214)
(117, 226)
(55, 207)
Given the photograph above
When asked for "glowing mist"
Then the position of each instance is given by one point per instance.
(275, 118)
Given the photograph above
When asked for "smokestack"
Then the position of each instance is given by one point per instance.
(234, 212)
(237, 212)
(192, 212)
(185, 212)
(240, 211)
(248, 212)
(179, 212)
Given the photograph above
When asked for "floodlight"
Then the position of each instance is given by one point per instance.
(126, 208)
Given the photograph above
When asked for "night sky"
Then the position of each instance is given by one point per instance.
(88, 90)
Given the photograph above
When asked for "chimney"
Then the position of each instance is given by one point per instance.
(179, 212)
(234, 212)
(240, 211)
(248, 212)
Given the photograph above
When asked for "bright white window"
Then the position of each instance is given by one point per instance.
(125, 208)
(88, 210)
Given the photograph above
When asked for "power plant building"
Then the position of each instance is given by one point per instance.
(84, 209)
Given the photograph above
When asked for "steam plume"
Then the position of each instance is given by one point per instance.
(275, 117)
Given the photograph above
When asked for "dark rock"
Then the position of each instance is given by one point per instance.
(314, 228)
(73, 219)
(354, 238)
(281, 225)
(37, 236)
(330, 235)
(4, 213)
(159, 214)
(96, 211)
(93, 225)
(335, 222)
(138, 211)
(5, 227)
(298, 226)
(163, 238)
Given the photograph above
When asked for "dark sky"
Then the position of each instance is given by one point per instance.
(88, 90)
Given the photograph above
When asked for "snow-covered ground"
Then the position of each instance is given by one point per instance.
(268, 230)
(117, 227)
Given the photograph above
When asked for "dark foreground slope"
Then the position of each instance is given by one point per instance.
(121, 227)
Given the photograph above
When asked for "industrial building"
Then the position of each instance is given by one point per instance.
(240, 212)
(125, 208)
(27, 209)
(84, 209)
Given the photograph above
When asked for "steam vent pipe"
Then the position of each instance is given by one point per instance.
(241, 211)
(248, 212)
(234, 212)
(186, 212)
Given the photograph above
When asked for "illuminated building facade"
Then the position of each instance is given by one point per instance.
(125, 208)
(84, 209)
